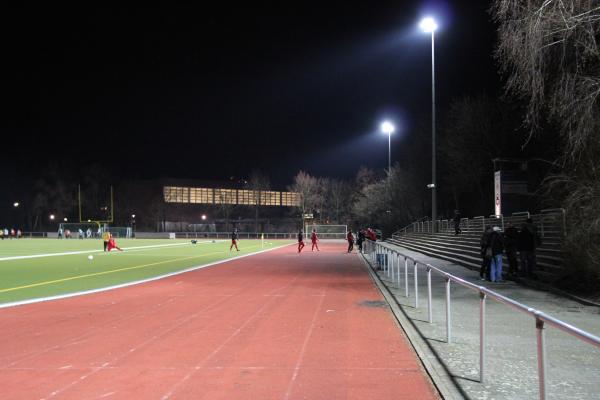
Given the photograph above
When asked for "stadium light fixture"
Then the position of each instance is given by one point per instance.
(203, 217)
(132, 215)
(428, 25)
(65, 219)
(52, 217)
(16, 204)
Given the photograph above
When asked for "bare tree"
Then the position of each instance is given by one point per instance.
(549, 52)
(308, 188)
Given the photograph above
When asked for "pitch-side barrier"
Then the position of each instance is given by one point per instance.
(391, 264)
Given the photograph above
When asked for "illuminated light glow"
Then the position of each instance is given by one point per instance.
(52, 217)
(203, 217)
(387, 127)
(65, 219)
(16, 204)
(428, 25)
(132, 215)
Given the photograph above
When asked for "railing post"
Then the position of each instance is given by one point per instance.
(482, 297)
(388, 261)
(405, 276)
(392, 265)
(541, 350)
(448, 322)
(398, 270)
(416, 285)
(429, 305)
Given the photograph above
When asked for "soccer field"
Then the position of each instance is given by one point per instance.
(41, 268)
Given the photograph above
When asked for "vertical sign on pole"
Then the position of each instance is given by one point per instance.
(497, 193)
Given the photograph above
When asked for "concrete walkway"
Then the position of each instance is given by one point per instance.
(511, 368)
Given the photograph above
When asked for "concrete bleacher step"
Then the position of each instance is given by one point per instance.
(550, 256)
(464, 251)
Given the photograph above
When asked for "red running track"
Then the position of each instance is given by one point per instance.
(278, 325)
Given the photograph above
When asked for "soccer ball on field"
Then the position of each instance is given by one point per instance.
(90, 257)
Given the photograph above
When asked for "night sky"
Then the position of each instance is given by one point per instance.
(210, 92)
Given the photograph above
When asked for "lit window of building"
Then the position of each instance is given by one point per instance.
(225, 196)
(270, 198)
(247, 197)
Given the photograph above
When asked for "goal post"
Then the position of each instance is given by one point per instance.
(328, 231)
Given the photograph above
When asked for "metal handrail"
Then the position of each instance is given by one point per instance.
(541, 318)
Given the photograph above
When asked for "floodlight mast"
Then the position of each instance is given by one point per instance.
(428, 25)
(388, 128)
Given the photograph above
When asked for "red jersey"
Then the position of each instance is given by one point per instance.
(313, 237)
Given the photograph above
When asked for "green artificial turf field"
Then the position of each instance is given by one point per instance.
(29, 270)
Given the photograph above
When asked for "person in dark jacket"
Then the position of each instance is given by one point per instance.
(484, 271)
(511, 236)
(360, 240)
(300, 240)
(496, 244)
(527, 241)
(456, 220)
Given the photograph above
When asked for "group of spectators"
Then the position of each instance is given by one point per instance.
(494, 243)
(10, 234)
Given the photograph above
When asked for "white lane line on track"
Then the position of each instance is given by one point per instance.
(165, 332)
(63, 296)
(288, 393)
(235, 333)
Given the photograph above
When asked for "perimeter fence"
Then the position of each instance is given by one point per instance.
(395, 265)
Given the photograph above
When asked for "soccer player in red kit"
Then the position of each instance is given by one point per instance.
(350, 239)
(300, 241)
(314, 239)
(112, 244)
(234, 238)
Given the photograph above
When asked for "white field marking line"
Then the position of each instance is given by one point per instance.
(199, 366)
(148, 341)
(92, 251)
(288, 393)
(122, 285)
(127, 250)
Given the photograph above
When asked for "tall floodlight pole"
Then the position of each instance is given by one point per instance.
(388, 128)
(428, 25)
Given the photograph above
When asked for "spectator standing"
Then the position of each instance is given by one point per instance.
(486, 256)
(360, 240)
(2, 234)
(456, 220)
(88, 233)
(527, 241)
(12, 233)
(511, 236)
(19, 234)
(80, 234)
(496, 244)
(350, 238)
(372, 235)
(60, 233)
